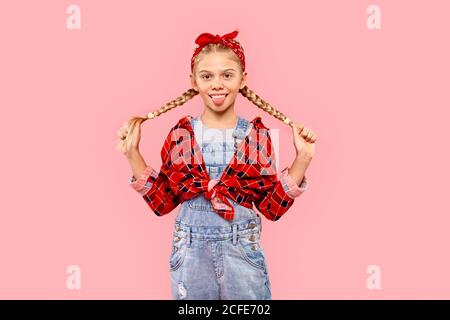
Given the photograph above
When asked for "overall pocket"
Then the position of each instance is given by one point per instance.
(251, 250)
(178, 251)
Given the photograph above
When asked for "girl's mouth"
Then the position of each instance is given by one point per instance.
(218, 99)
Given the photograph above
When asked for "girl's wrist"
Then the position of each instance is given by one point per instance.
(302, 158)
(133, 153)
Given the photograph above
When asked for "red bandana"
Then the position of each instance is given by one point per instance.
(227, 40)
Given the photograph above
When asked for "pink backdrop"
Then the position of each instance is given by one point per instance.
(377, 98)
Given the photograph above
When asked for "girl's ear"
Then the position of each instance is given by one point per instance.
(243, 80)
(193, 83)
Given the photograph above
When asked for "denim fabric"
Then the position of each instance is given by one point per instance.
(213, 258)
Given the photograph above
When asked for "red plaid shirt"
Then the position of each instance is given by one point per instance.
(250, 177)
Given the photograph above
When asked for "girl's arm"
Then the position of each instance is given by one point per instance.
(153, 186)
(137, 162)
(289, 181)
(275, 201)
(298, 169)
(142, 171)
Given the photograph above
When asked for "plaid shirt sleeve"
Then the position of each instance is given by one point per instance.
(154, 186)
(143, 184)
(160, 197)
(290, 187)
(274, 202)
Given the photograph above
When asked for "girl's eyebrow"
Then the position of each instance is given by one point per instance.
(222, 70)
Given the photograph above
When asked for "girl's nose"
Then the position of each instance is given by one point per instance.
(217, 85)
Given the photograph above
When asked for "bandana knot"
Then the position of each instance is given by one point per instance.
(227, 40)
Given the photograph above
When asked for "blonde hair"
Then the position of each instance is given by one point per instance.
(189, 94)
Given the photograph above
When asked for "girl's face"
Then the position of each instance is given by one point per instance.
(217, 74)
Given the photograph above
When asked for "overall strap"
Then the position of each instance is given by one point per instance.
(241, 129)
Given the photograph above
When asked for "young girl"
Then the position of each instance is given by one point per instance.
(217, 165)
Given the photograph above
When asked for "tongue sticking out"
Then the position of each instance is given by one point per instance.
(218, 100)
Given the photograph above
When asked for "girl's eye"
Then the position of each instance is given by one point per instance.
(207, 76)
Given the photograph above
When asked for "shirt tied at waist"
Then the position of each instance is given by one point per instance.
(219, 201)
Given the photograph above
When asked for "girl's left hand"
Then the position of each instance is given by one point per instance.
(304, 141)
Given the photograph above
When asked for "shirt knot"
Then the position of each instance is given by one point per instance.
(210, 193)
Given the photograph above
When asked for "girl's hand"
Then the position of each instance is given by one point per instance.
(129, 136)
(304, 141)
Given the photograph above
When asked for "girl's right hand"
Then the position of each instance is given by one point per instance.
(129, 136)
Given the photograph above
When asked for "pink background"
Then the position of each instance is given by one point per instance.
(378, 100)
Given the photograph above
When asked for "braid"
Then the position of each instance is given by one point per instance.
(185, 96)
(260, 103)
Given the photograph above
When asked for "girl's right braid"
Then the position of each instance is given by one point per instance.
(185, 96)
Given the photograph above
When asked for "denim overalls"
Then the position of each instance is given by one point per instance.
(213, 258)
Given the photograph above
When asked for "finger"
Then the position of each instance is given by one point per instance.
(122, 134)
(297, 129)
(137, 126)
(132, 130)
(299, 125)
(305, 132)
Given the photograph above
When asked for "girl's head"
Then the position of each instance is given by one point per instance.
(218, 66)
(217, 70)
